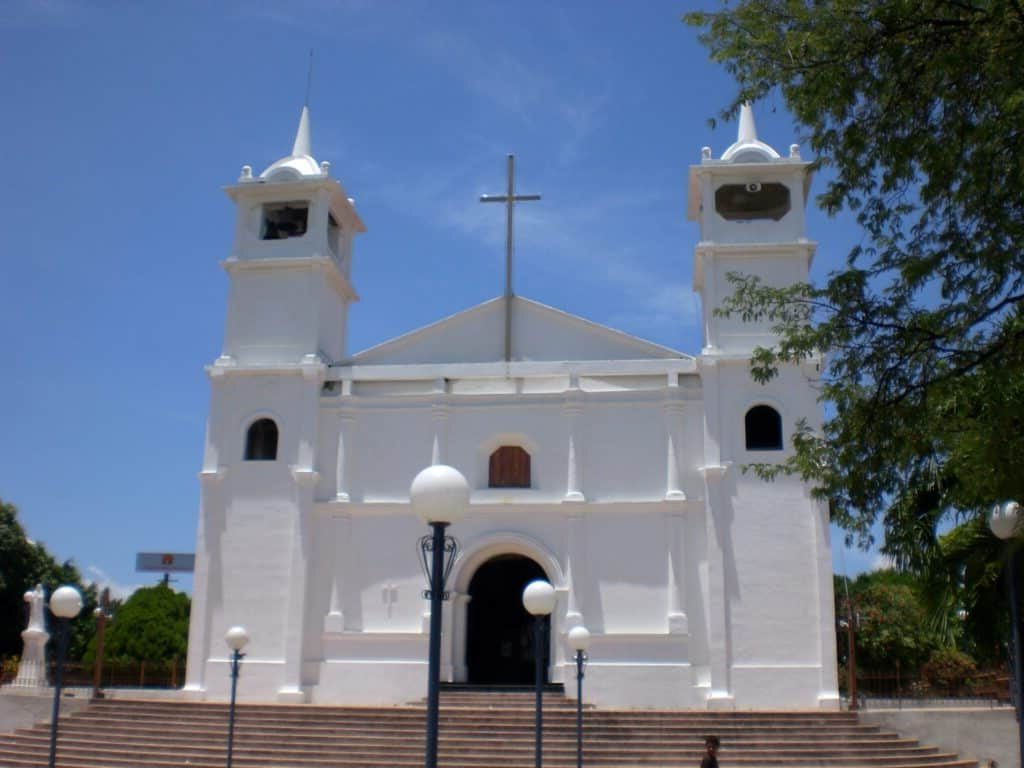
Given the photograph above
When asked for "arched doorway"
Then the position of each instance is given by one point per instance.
(499, 637)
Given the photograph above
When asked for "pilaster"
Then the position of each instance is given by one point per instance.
(574, 476)
(673, 410)
(334, 621)
(678, 623)
(439, 413)
(346, 440)
(719, 639)
(574, 567)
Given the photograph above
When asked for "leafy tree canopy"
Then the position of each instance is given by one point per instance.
(151, 625)
(23, 564)
(915, 108)
(890, 618)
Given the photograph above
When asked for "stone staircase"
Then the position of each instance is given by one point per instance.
(478, 730)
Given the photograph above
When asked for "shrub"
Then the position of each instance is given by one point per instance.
(948, 668)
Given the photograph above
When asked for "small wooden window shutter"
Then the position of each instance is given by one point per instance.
(510, 468)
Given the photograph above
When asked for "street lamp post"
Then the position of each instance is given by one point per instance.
(439, 496)
(1004, 521)
(236, 638)
(102, 617)
(539, 600)
(579, 641)
(65, 604)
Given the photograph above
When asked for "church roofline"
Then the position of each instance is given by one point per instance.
(404, 339)
(517, 369)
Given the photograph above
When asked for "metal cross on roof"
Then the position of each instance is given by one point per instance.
(510, 198)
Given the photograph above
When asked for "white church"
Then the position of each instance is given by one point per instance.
(608, 465)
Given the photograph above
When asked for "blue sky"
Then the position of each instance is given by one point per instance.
(122, 121)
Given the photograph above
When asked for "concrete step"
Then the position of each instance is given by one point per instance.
(466, 745)
(92, 720)
(478, 730)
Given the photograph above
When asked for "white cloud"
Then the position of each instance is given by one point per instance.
(882, 562)
(41, 13)
(118, 591)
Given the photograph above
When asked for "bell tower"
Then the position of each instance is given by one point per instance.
(289, 273)
(291, 262)
(750, 206)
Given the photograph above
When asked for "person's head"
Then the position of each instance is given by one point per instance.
(711, 744)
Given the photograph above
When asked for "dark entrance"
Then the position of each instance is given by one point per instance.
(499, 631)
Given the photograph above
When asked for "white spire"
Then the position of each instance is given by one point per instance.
(747, 133)
(747, 147)
(303, 145)
(300, 162)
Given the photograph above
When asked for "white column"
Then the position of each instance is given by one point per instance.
(574, 475)
(673, 418)
(719, 641)
(716, 516)
(460, 624)
(334, 621)
(439, 413)
(828, 698)
(678, 624)
(208, 569)
(346, 424)
(575, 565)
(301, 545)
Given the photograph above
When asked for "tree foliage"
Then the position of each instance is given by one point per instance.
(915, 110)
(151, 625)
(23, 564)
(890, 619)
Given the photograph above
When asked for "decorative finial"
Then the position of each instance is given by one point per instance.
(309, 77)
(246, 173)
(747, 133)
(705, 153)
(303, 144)
(794, 150)
(325, 167)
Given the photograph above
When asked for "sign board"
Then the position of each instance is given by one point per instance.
(165, 562)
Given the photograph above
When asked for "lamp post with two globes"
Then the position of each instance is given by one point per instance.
(236, 638)
(539, 600)
(439, 496)
(65, 604)
(579, 641)
(1004, 521)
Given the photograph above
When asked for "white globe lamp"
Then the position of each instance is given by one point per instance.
(579, 639)
(236, 638)
(1004, 519)
(439, 494)
(66, 602)
(539, 598)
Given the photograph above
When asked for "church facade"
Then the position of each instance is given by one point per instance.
(605, 464)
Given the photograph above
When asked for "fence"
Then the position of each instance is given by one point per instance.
(115, 674)
(900, 688)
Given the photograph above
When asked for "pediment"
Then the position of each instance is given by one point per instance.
(539, 333)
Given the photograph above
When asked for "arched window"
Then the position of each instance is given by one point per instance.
(510, 468)
(261, 441)
(764, 429)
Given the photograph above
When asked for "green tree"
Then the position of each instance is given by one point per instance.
(890, 618)
(914, 110)
(23, 564)
(151, 625)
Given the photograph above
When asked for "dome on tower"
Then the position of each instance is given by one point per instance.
(748, 148)
(300, 163)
